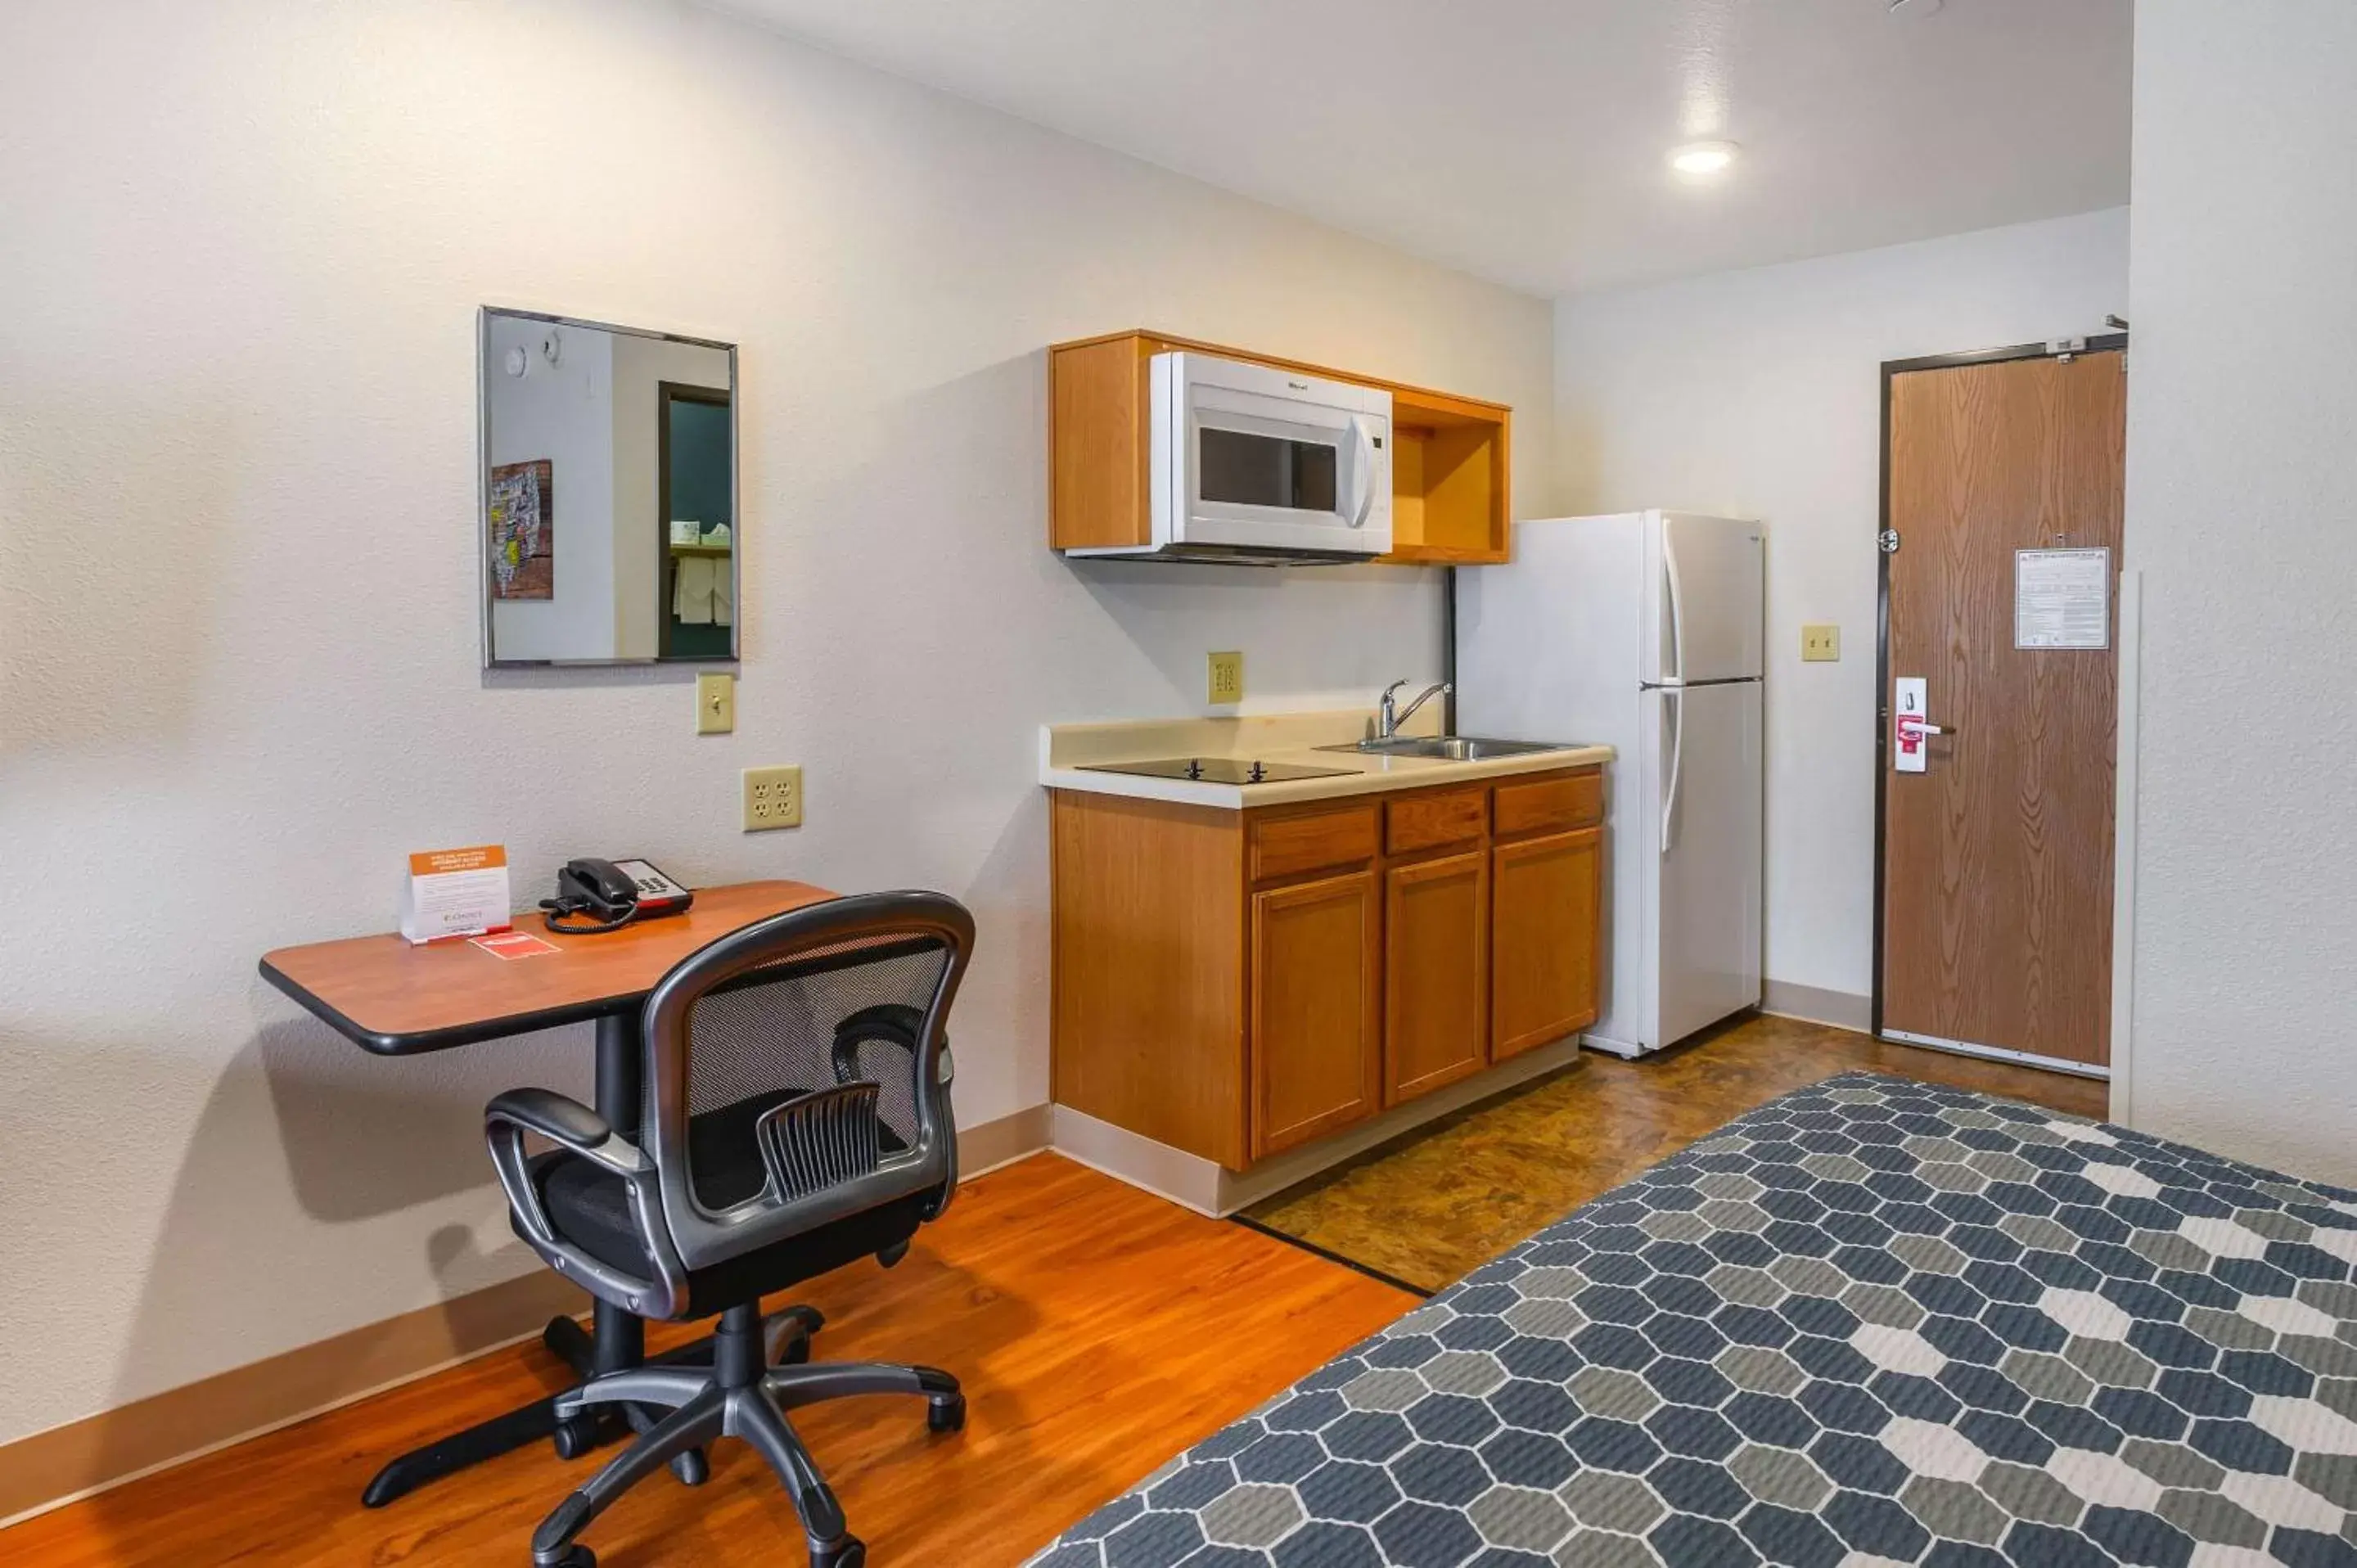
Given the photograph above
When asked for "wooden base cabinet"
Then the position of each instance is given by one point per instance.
(1543, 912)
(1436, 973)
(1239, 984)
(1317, 960)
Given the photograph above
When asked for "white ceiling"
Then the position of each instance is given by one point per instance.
(1525, 140)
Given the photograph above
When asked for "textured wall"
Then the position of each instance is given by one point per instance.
(1759, 394)
(2242, 420)
(243, 247)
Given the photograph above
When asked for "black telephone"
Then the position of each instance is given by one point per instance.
(609, 894)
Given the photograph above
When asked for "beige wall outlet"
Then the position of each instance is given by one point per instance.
(715, 703)
(773, 798)
(1821, 644)
(1227, 678)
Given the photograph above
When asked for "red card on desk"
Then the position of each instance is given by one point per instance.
(514, 945)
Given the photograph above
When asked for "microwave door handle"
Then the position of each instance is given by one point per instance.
(1366, 467)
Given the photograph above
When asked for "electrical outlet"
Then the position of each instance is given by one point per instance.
(715, 703)
(1227, 678)
(773, 798)
(1821, 644)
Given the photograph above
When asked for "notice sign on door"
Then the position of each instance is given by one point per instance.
(2062, 599)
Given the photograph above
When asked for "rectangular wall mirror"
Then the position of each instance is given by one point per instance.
(610, 517)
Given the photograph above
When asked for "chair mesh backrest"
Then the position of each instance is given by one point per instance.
(842, 1014)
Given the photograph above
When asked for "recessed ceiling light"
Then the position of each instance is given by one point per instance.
(1700, 159)
(1915, 7)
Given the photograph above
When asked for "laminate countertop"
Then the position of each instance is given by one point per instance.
(1072, 757)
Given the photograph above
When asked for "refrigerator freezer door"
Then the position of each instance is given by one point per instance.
(1704, 599)
(1544, 645)
(1701, 884)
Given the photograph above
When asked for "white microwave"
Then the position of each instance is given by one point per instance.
(1257, 465)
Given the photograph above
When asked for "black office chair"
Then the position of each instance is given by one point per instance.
(797, 1118)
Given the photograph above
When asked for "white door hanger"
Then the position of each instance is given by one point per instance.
(1910, 727)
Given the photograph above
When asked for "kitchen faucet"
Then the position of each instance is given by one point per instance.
(1393, 718)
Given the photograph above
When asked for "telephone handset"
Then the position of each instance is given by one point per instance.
(609, 894)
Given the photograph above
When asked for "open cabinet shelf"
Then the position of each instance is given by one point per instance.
(1450, 486)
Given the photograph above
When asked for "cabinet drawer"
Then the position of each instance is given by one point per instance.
(1284, 846)
(1433, 822)
(1566, 800)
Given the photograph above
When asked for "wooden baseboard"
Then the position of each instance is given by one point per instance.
(57, 1466)
(100, 1450)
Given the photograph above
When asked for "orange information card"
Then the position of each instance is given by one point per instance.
(456, 893)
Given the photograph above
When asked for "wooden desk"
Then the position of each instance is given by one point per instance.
(397, 1000)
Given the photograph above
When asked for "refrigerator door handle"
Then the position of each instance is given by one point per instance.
(1677, 602)
(1675, 697)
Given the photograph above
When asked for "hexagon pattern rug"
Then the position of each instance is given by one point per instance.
(1872, 1322)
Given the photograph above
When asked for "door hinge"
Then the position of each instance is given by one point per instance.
(1887, 542)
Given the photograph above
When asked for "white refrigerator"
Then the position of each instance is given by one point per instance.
(1641, 633)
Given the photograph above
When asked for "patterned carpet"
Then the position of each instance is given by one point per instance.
(1428, 1209)
(1872, 1322)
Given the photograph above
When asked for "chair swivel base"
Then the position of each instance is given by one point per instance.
(745, 1392)
(788, 1332)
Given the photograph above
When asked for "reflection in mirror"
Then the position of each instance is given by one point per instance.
(609, 493)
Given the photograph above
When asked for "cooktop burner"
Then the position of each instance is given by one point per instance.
(1219, 770)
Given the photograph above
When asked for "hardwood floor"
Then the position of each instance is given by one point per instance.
(1098, 1330)
(1437, 1202)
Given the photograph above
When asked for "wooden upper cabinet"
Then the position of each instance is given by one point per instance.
(1544, 899)
(1317, 962)
(1436, 973)
(1451, 456)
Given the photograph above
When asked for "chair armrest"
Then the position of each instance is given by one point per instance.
(567, 1123)
(576, 1128)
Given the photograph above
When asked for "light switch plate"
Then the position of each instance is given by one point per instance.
(715, 703)
(773, 798)
(1821, 644)
(1227, 678)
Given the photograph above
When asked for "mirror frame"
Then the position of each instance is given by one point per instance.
(483, 368)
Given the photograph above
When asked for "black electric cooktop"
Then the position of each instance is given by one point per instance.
(1219, 770)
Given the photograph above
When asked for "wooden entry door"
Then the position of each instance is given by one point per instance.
(1997, 858)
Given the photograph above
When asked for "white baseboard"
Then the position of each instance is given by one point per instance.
(1815, 1004)
(1210, 1188)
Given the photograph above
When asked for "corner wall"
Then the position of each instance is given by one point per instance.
(1758, 395)
(243, 246)
(2242, 422)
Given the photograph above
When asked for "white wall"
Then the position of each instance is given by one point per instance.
(2242, 420)
(642, 512)
(563, 415)
(1759, 394)
(244, 249)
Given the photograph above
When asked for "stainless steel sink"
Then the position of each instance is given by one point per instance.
(1448, 749)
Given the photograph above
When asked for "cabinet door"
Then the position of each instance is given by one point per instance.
(1436, 973)
(1316, 951)
(1542, 936)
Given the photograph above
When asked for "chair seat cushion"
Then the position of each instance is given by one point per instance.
(589, 1207)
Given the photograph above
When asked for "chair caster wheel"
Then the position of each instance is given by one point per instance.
(692, 1468)
(945, 1414)
(574, 1557)
(575, 1437)
(848, 1552)
(797, 1352)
